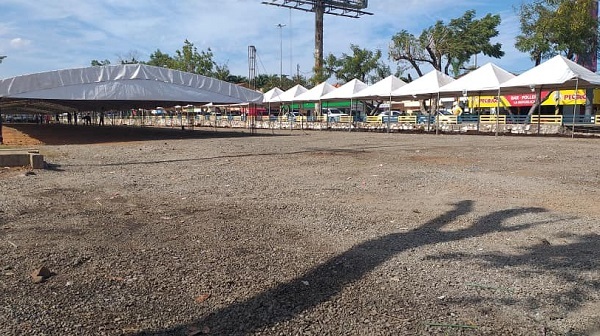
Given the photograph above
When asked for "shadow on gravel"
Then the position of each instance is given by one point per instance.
(62, 134)
(287, 300)
(571, 262)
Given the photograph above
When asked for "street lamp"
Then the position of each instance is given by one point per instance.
(280, 26)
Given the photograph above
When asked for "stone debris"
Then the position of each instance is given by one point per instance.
(41, 274)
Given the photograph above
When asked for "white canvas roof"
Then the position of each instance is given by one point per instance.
(346, 91)
(424, 86)
(316, 93)
(271, 95)
(381, 89)
(556, 73)
(291, 94)
(132, 85)
(485, 79)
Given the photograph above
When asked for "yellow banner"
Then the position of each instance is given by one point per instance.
(562, 97)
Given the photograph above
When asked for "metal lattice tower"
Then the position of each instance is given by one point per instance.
(252, 67)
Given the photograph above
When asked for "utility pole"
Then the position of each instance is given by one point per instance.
(280, 26)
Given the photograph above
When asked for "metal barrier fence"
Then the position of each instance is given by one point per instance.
(447, 119)
(547, 119)
(580, 119)
(369, 122)
(492, 119)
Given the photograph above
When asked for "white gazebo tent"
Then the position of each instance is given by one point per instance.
(346, 91)
(382, 90)
(484, 80)
(554, 74)
(271, 95)
(424, 87)
(289, 96)
(315, 94)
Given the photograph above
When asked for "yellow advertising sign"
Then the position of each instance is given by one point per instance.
(563, 97)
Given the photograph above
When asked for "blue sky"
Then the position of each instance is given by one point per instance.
(44, 35)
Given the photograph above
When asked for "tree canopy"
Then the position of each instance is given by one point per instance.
(551, 27)
(447, 46)
(362, 64)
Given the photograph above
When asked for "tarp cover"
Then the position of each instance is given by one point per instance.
(124, 83)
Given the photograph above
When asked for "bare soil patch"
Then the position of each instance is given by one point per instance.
(170, 232)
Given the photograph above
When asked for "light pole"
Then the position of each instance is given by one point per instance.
(280, 26)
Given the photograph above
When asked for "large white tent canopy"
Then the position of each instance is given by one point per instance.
(291, 94)
(381, 89)
(272, 95)
(423, 87)
(123, 86)
(556, 73)
(485, 79)
(346, 91)
(316, 93)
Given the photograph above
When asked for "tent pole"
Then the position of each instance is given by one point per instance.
(350, 128)
(478, 110)
(437, 117)
(539, 101)
(389, 115)
(497, 112)
(429, 114)
(575, 109)
(1, 138)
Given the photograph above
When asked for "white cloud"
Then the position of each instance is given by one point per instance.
(19, 43)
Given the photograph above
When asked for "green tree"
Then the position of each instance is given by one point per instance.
(265, 82)
(236, 79)
(362, 64)
(100, 63)
(132, 57)
(160, 59)
(535, 28)
(319, 76)
(448, 46)
(190, 60)
(551, 27)
(221, 72)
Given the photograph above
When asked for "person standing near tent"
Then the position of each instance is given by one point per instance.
(456, 109)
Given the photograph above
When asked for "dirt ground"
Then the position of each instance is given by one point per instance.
(171, 232)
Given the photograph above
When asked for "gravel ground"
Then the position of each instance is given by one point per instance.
(303, 233)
